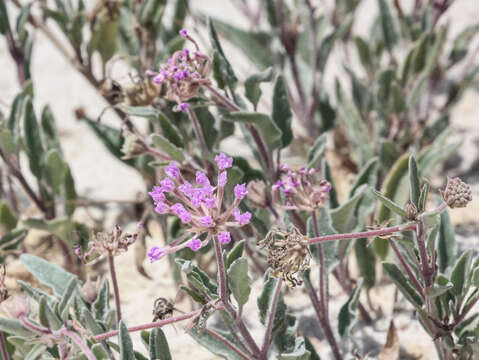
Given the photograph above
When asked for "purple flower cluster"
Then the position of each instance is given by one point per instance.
(301, 189)
(198, 205)
(183, 74)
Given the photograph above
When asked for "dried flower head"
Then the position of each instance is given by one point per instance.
(457, 193)
(288, 254)
(300, 190)
(199, 206)
(162, 309)
(132, 146)
(183, 74)
(104, 244)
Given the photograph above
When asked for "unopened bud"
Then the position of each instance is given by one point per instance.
(411, 210)
(90, 290)
(457, 193)
(132, 147)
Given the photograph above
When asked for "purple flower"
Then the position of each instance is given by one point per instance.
(202, 179)
(224, 237)
(172, 171)
(283, 167)
(158, 78)
(161, 208)
(222, 179)
(157, 194)
(243, 219)
(186, 52)
(167, 185)
(240, 191)
(194, 244)
(326, 188)
(186, 188)
(224, 162)
(210, 202)
(206, 221)
(184, 106)
(182, 213)
(184, 33)
(277, 185)
(156, 253)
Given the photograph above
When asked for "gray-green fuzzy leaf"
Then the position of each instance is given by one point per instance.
(126, 345)
(158, 345)
(403, 284)
(316, 151)
(347, 314)
(167, 147)
(460, 274)
(33, 143)
(446, 243)
(239, 281)
(281, 114)
(252, 85)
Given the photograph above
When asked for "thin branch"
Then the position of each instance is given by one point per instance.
(111, 263)
(227, 343)
(408, 269)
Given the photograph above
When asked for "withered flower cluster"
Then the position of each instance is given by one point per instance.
(105, 244)
(288, 254)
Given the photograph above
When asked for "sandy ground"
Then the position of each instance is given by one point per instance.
(99, 176)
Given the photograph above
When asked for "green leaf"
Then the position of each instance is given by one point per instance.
(239, 281)
(461, 43)
(214, 345)
(266, 297)
(326, 112)
(33, 142)
(235, 253)
(423, 197)
(170, 131)
(35, 293)
(356, 129)
(299, 352)
(49, 128)
(68, 296)
(270, 131)
(344, 218)
(252, 89)
(126, 345)
(403, 284)
(47, 316)
(104, 38)
(281, 114)
(347, 314)
(367, 175)
(48, 274)
(4, 23)
(36, 352)
(90, 322)
(388, 153)
(460, 274)
(61, 227)
(70, 192)
(316, 151)
(224, 66)
(7, 142)
(255, 45)
(99, 351)
(167, 147)
(364, 53)
(388, 27)
(8, 220)
(158, 345)
(147, 112)
(333, 197)
(197, 277)
(285, 336)
(101, 305)
(446, 243)
(55, 169)
(207, 123)
(366, 262)
(15, 327)
(414, 182)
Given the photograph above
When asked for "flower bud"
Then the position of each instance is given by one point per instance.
(411, 210)
(457, 193)
(90, 290)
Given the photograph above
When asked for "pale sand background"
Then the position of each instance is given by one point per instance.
(100, 176)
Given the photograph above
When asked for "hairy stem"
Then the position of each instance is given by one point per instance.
(271, 316)
(3, 346)
(111, 263)
(77, 340)
(198, 131)
(408, 269)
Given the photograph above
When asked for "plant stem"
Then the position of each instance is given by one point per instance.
(3, 345)
(272, 313)
(77, 340)
(15, 172)
(227, 343)
(408, 269)
(111, 263)
(421, 242)
(225, 299)
(380, 232)
(324, 293)
(151, 325)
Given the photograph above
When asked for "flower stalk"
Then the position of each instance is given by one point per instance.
(116, 291)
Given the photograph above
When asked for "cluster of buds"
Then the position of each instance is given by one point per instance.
(106, 244)
(200, 206)
(288, 254)
(300, 190)
(457, 193)
(183, 74)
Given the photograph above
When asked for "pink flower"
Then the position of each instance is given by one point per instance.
(243, 219)
(206, 221)
(156, 253)
(167, 185)
(161, 208)
(223, 161)
(224, 237)
(182, 213)
(202, 179)
(158, 78)
(222, 179)
(184, 106)
(240, 191)
(172, 171)
(184, 33)
(157, 194)
(194, 244)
